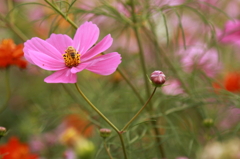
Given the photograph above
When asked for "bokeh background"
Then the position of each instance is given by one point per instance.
(194, 115)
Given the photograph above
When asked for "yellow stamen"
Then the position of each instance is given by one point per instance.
(71, 57)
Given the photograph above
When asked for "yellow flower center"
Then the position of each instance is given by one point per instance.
(71, 57)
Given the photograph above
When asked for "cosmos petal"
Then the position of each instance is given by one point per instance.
(85, 37)
(80, 67)
(39, 45)
(46, 62)
(60, 42)
(62, 76)
(105, 64)
(103, 45)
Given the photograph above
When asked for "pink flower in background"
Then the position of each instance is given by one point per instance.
(168, 2)
(172, 87)
(230, 33)
(68, 56)
(231, 118)
(199, 57)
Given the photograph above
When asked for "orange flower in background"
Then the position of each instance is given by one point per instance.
(16, 150)
(77, 122)
(11, 54)
(231, 82)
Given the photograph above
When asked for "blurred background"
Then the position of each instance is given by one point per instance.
(194, 115)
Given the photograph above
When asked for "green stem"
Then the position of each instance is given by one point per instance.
(135, 28)
(123, 145)
(136, 32)
(62, 14)
(131, 85)
(105, 118)
(4, 106)
(108, 152)
(136, 115)
(96, 109)
(14, 28)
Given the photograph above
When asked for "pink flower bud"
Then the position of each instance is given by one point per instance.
(158, 78)
(3, 131)
(104, 132)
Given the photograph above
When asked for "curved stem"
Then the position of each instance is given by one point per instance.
(4, 106)
(108, 152)
(62, 14)
(136, 115)
(96, 109)
(105, 118)
(131, 85)
(14, 28)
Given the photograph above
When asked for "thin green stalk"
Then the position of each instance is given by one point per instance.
(106, 148)
(136, 115)
(131, 85)
(166, 59)
(96, 109)
(136, 32)
(4, 106)
(62, 14)
(14, 28)
(105, 118)
(135, 28)
(123, 145)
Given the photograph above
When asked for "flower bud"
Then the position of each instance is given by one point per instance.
(158, 78)
(3, 131)
(104, 132)
(208, 122)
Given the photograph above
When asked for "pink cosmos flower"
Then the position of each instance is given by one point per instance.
(68, 56)
(231, 33)
(172, 87)
(199, 57)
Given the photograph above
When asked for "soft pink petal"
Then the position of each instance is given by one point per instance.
(46, 62)
(62, 76)
(39, 45)
(103, 45)
(27, 55)
(60, 42)
(80, 67)
(105, 64)
(85, 37)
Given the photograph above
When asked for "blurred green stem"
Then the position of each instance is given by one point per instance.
(105, 118)
(136, 31)
(106, 148)
(14, 28)
(62, 14)
(141, 54)
(136, 115)
(4, 106)
(96, 109)
(10, 7)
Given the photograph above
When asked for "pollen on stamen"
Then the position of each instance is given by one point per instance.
(71, 57)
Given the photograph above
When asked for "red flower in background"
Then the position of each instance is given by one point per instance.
(11, 54)
(231, 82)
(16, 150)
